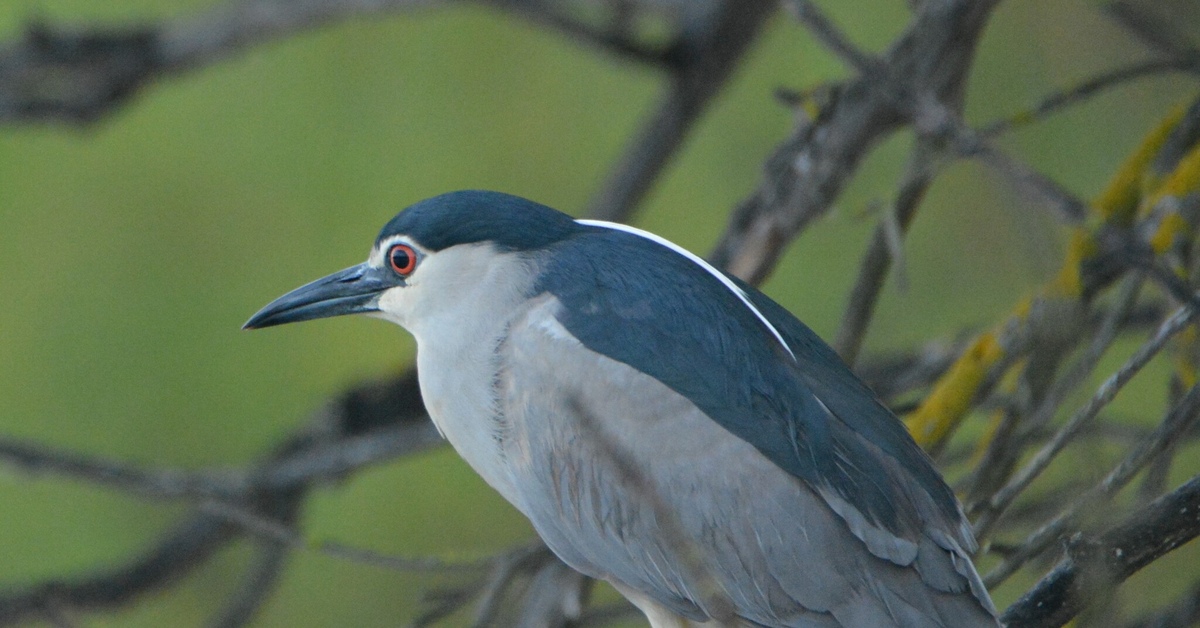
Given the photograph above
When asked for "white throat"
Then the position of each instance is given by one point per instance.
(458, 304)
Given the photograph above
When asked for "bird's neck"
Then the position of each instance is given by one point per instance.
(457, 338)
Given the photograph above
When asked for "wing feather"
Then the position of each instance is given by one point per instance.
(630, 481)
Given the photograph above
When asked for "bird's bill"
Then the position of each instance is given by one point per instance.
(351, 291)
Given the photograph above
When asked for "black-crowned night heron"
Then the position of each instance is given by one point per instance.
(664, 426)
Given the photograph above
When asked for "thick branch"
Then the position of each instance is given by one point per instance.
(1180, 418)
(1152, 531)
(79, 75)
(808, 171)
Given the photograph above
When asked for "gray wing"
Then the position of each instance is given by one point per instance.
(630, 482)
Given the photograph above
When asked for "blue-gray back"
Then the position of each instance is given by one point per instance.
(811, 416)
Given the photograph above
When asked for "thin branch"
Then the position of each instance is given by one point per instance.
(158, 484)
(1104, 394)
(556, 598)
(878, 259)
(1009, 443)
(832, 37)
(504, 572)
(371, 408)
(282, 533)
(445, 602)
(367, 424)
(489, 588)
(1073, 95)
(1154, 31)
(1025, 178)
(894, 374)
(331, 461)
(255, 588)
(549, 13)
(218, 493)
(79, 75)
(183, 549)
(328, 461)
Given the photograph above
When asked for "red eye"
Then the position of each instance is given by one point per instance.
(403, 259)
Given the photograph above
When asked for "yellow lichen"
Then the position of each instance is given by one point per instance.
(935, 419)
(1118, 203)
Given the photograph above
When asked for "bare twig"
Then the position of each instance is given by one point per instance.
(896, 373)
(78, 75)
(255, 588)
(161, 484)
(354, 416)
(186, 547)
(1026, 179)
(320, 463)
(1073, 95)
(549, 13)
(506, 569)
(1104, 394)
(333, 460)
(555, 599)
(1156, 32)
(878, 259)
(833, 38)
(1009, 442)
(281, 533)
(1179, 142)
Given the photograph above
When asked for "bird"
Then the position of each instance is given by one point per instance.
(664, 426)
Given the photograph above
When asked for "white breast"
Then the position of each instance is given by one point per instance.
(458, 306)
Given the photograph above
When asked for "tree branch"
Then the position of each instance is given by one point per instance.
(1160, 527)
(1073, 95)
(808, 171)
(1104, 394)
(832, 37)
(368, 423)
(79, 75)
(1180, 418)
(878, 259)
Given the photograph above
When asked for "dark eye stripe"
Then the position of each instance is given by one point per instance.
(403, 259)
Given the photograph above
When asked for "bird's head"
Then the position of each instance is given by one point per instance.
(432, 256)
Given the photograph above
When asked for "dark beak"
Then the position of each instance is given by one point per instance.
(351, 291)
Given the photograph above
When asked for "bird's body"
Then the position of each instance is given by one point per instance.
(663, 426)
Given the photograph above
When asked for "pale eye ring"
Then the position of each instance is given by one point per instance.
(403, 259)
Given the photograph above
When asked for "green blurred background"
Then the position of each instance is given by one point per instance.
(132, 251)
